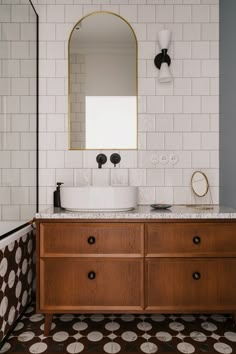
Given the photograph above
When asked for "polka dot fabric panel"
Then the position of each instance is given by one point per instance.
(17, 279)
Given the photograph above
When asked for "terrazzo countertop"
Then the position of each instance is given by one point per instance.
(145, 212)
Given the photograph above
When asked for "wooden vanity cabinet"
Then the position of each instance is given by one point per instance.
(89, 267)
(139, 266)
(190, 266)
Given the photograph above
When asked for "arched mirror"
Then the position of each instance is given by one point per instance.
(102, 83)
(199, 183)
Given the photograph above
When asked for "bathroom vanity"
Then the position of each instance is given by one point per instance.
(142, 261)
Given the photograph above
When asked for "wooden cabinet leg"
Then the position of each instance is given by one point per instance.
(47, 323)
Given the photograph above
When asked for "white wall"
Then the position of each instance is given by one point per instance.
(178, 119)
(227, 122)
(17, 111)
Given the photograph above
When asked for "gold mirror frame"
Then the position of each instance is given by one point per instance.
(136, 71)
(204, 179)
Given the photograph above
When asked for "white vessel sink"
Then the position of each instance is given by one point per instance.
(94, 198)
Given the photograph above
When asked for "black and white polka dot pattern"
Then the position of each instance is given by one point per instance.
(123, 333)
(17, 273)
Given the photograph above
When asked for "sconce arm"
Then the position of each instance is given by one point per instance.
(162, 57)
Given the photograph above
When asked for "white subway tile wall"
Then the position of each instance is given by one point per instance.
(17, 108)
(179, 119)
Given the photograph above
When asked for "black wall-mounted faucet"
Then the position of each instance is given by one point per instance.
(115, 159)
(101, 160)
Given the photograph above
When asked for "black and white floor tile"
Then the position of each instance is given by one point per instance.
(123, 334)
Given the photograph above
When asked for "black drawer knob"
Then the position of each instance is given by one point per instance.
(196, 275)
(196, 240)
(91, 275)
(91, 240)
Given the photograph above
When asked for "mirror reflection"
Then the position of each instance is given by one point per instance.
(102, 83)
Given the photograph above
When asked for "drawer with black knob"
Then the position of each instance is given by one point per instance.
(197, 283)
(72, 283)
(94, 239)
(192, 239)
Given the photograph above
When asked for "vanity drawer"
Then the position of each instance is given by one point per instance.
(197, 284)
(92, 239)
(110, 284)
(191, 239)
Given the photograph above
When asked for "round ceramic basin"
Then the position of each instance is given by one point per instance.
(94, 198)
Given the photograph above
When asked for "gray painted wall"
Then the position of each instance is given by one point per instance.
(227, 103)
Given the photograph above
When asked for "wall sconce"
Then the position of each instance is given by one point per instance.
(162, 60)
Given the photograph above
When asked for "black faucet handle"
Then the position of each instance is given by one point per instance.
(59, 183)
(115, 159)
(101, 160)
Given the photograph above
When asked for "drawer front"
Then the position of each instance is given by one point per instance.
(198, 284)
(91, 239)
(198, 239)
(85, 284)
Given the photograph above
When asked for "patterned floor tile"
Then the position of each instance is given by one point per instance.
(115, 333)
